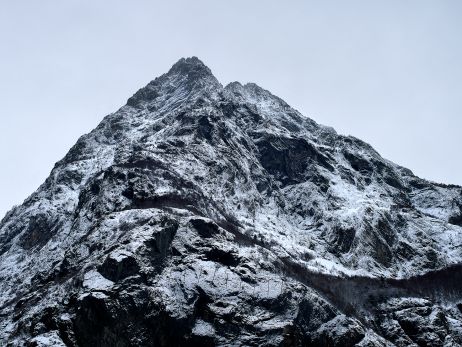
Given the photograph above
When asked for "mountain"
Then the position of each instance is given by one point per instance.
(203, 215)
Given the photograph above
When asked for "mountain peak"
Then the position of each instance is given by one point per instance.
(190, 75)
(190, 64)
(193, 69)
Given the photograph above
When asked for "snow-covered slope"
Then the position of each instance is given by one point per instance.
(199, 214)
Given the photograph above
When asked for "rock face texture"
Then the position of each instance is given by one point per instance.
(203, 215)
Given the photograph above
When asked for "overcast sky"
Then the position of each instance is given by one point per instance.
(388, 72)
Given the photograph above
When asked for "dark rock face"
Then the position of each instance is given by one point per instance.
(287, 159)
(115, 269)
(39, 231)
(341, 240)
(203, 215)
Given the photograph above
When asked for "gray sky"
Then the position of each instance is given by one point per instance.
(388, 72)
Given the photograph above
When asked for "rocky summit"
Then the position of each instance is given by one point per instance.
(203, 215)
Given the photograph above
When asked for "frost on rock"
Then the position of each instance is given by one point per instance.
(199, 214)
(93, 280)
(48, 339)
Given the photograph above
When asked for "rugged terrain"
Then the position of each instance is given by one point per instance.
(206, 215)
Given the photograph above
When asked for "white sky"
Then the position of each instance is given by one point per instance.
(388, 72)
